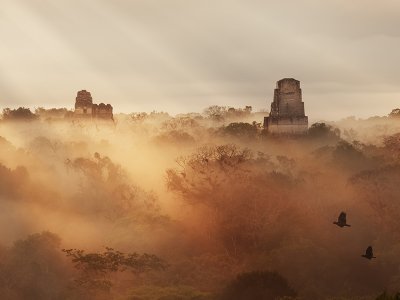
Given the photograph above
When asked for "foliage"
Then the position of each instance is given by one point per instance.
(180, 123)
(52, 113)
(209, 178)
(392, 145)
(262, 285)
(34, 269)
(322, 130)
(109, 191)
(174, 137)
(347, 155)
(21, 113)
(231, 209)
(13, 182)
(175, 292)
(95, 268)
(240, 130)
(386, 296)
(379, 187)
(220, 113)
(350, 134)
(395, 113)
(140, 117)
(198, 174)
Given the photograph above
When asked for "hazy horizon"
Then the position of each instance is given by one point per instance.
(185, 56)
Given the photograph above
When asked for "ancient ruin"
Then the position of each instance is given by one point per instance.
(287, 110)
(84, 107)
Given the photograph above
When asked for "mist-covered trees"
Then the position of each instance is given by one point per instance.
(261, 285)
(25, 114)
(226, 180)
(53, 113)
(379, 187)
(322, 130)
(34, 268)
(392, 145)
(387, 296)
(95, 270)
(140, 117)
(234, 201)
(395, 113)
(200, 174)
(13, 183)
(221, 113)
(19, 114)
(349, 156)
(107, 190)
(241, 130)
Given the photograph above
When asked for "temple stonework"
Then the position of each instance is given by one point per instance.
(84, 107)
(287, 110)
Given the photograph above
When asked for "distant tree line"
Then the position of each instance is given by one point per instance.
(25, 114)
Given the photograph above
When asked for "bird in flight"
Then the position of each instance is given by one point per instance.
(368, 253)
(341, 222)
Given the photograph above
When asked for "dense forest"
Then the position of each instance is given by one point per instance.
(200, 206)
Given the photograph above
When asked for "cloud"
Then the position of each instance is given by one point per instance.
(183, 55)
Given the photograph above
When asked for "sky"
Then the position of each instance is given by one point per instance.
(182, 55)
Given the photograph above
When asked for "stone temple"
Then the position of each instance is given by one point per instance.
(287, 110)
(84, 107)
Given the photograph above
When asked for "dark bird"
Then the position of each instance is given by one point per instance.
(368, 253)
(341, 221)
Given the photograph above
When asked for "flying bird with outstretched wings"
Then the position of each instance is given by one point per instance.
(368, 253)
(342, 222)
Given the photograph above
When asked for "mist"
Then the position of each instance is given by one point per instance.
(151, 205)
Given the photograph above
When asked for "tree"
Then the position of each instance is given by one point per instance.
(260, 285)
(350, 134)
(240, 130)
(52, 113)
(379, 188)
(322, 130)
(174, 137)
(34, 268)
(20, 113)
(237, 214)
(346, 154)
(13, 183)
(220, 113)
(180, 123)
(95, 268)
(386, 296)
(172, 292)
(392, 145)
(395, 113)
(138, 117)
(203, 172)
(215, 112)
(107, 189)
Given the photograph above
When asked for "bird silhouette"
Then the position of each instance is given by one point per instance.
(341, 222)
(368, 253)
